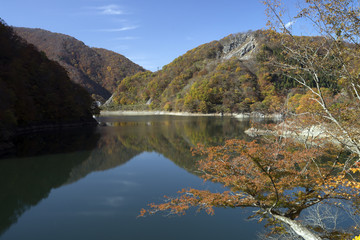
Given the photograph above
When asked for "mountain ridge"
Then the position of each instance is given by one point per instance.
(219, 76)
(36, 92)
(96, 69)
(236, 74)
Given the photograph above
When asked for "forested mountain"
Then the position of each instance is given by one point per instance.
(225, 76)
(220, 76)
(229, 75)
(35, 90)
(98, 70)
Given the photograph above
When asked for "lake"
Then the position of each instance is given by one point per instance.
(92, 183)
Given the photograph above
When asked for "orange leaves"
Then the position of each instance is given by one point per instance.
(203, 200)
(142, 212)
(355, 170)
(261, 169)
(279, 176)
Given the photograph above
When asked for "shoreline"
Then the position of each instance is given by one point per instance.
(7, 145)
(106, 113)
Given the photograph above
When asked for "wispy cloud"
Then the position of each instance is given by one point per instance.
(114, 201)
(289, 24)
(111, 9)
(118, 29)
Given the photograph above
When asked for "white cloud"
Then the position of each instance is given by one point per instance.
(289, 24)
(110, 10)
(119, 29)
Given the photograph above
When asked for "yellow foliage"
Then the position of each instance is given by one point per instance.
(168, 106)
(311, 102)
(294, 102)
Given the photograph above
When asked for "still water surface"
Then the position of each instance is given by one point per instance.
(92, 183)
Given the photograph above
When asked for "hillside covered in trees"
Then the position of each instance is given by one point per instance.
(232, 75)
(98, 70)
(35, 90)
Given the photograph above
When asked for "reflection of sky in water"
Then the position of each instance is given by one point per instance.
(105, 205)
(114, 201)
(98, 194)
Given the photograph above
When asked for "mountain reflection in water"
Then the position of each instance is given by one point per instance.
(42, 161)
(49, 160)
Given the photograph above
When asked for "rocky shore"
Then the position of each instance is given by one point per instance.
(105, 113)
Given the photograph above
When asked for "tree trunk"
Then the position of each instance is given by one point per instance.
(297, 227)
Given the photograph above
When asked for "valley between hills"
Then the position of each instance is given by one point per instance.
(233, 75)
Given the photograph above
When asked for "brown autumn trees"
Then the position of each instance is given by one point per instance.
(206, 79)
(97, 70)
(332, 59)
(313, 160)
(35, 90)
(282, 178)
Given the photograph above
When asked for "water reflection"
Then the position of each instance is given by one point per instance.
(41, 162)
(53, 142)
(49, 160)
(170, 136)
(113, 189)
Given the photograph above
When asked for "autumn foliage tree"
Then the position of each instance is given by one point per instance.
(281, 178)
(332, 59)
(297, 171)
(318, 65)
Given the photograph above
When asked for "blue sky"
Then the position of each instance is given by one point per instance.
(151, 33)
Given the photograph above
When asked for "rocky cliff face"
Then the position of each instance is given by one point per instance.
(98, 70)
(240, 45)
(220, 76)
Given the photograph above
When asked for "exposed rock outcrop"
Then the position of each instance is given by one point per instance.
(240, 45)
